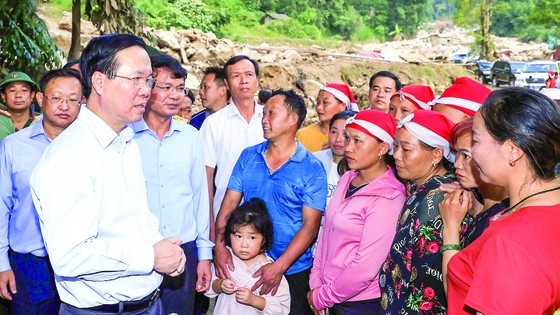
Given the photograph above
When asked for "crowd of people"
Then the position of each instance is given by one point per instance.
(115, 198)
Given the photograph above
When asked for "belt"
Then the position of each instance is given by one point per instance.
(130, 306)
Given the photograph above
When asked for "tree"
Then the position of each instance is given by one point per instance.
(485, 39)
(74, 52)
(114, 16)
(25, 43)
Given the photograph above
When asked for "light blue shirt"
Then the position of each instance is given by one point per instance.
(19, 224)
(177, 186)
(301, 181)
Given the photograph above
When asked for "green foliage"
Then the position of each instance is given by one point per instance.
(181, 14)
(293, 29)
(114, 16)
(25, 43)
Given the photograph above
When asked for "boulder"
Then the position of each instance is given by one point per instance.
(166, 39)
(86, 27)
(291, 55)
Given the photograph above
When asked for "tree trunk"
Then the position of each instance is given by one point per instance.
(75, 46)
(486, 40)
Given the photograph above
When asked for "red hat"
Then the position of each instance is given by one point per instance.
(432, 128)
(342, 93)
(465, 94)
(375, 123)
(551, 73)
(419, 95)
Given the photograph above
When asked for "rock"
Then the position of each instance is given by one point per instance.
(166, 39)
(171, 53)
(200, 55)
(292, 55)
(86, 27)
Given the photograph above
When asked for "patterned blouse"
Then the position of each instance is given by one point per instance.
(411, 278)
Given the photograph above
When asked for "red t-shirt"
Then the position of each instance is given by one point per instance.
(551, 83)
(512, 268)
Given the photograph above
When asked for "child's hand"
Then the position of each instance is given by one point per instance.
(228, 286)
(244, 296)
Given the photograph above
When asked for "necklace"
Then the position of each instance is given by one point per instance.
(351, 191)
(513, 208)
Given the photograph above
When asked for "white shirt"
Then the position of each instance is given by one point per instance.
(90, 195)
(242, 276)
(226, 133)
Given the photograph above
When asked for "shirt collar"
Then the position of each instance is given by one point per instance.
(141, 126)
(233, 111)
(298, 156)
(104, 134)
(37, 128)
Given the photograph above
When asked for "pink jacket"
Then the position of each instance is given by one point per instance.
(355, 240)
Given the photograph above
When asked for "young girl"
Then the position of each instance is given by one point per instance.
(248, 236)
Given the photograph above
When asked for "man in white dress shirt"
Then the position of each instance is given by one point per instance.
(90, 192)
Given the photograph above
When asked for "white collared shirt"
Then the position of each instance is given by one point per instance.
(90, 194)
(226, 133)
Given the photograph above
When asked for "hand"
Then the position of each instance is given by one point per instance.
(203, 276)
(222, 261)
(449, 188)
(7, 284)
(244, 296)
(453, 208)
(169, 257)
(270, 277)
(313, 308)
(227, 286)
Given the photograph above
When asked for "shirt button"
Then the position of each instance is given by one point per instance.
(163, 206)
(161, 165)
(161, 186)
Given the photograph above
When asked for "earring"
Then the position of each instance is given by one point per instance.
(379, 157)
(511, 163)
(434, 164)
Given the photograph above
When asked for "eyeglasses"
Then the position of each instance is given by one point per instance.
(55, 100)
(149, 81)
(178, 89)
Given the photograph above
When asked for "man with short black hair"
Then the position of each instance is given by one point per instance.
(173, 162)
(214, 94)
(293, 184)
(89, 191)
(26, 275)
(382, 85)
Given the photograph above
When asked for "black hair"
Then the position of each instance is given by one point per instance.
(386, 74)
(70, 63)
(264, 95)
(166, 61)
(293, 103)
(235, 59)
(59, 73)
(255, 214)
(529, 119)
(100, 55)
(190, 95)
(345, 114)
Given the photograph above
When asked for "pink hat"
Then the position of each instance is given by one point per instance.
(342, 93)
(432, 128)
(374, 123)
(419, 95)
(465, 94)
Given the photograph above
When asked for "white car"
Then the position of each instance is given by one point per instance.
(534, 74)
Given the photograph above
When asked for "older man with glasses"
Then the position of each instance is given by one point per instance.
(89, 191)
(173, 161)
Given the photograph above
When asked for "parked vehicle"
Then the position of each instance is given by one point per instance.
(534, 74)
(461, 56)
(505, 72)
(481, 70)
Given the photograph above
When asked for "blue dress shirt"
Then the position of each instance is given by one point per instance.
(19, 224)
(177, 185)
(301, 181)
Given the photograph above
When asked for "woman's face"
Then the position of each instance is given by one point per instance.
(362, 150)
(412, 161)
(400, 109)
(336, 137)
(488, 155)
(465, 169)
(328, 106)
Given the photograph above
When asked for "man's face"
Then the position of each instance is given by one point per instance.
(17, 96)
(380, 93)
(60, 103)
(126, 99)
(276, 120)
(212, 95)
(169, 94)
(242, 80)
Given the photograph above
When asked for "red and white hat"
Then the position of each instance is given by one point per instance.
(342, 93)
(465, 94)
(419, 95)
(375, 123)
(432, 128)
